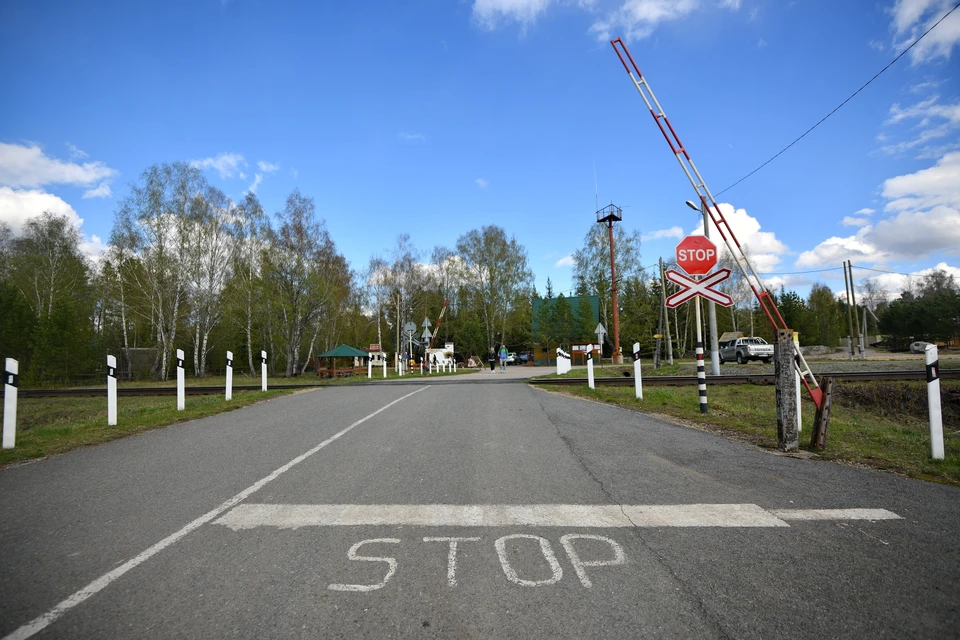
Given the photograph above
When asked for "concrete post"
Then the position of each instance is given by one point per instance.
(784, 353)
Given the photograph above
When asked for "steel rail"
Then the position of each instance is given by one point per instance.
(759, 378)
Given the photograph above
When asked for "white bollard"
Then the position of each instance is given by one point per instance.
(180, 391)
(229, 393)
(11, 380)
(558, 361)
(590, 366)
(369, 368)
(636, 370)
(454, 366)
(111, 390)
(384, 365)
(263, 370)
(933, 402)
(421, 366)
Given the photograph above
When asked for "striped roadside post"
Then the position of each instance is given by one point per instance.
(263, 370)
(229, 390)
(180, 392)
(11, 381)
(111, 390)
(636, 370)
(701, 374)
(590, 366)
(933, 401)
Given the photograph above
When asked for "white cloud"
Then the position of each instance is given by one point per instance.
(19, 205)
(850, 221)
(866, 211)
(102, 191)
(927, 188)
(411, 137)
(490, 13)
(730, 4)
(893, 284)
(637, 19)
(566, 261)
(763, 247)
(75, 153)
(912, 17)
(935, 120)
(926, 220)
(672, 232)
(483, 184)
(761, 43)
(29, 167)
(257, 179)
(93, 248)
(225, 164)
(268, 167)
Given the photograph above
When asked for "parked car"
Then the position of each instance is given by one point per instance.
(918, 347)
(745, 349)
(512, 358)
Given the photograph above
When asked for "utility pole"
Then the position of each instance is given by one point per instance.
(853, 296)
(610, 214)
(846, 284)
(666, 312)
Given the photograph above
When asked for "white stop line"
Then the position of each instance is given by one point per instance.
(294, 516)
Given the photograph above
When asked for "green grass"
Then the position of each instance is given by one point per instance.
(860, 432)
(48, 426)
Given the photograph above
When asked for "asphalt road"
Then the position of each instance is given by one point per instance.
(466, 510)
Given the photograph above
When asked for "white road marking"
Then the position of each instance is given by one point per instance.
(43, 621)
(545, 548)
(619, 557)
(352, 554)
(452, 556)
(835, 514)
(294, 516)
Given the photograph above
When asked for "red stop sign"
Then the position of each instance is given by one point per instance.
(696, 255)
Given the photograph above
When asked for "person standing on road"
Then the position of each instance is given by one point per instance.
(503, 358)
(492, 359)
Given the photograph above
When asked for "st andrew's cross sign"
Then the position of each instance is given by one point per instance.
(690, 288)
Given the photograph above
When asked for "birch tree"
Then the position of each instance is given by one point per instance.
(155, 223)
(496, 273)
(249, 230)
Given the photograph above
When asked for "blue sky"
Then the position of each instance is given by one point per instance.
(434, 118)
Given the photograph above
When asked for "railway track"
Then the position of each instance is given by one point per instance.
(763, 379)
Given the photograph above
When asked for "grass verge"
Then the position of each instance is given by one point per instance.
(892, 436)
(48, 426)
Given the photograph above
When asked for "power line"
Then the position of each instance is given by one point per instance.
(864, 86)
(796, 273)
(896, 273)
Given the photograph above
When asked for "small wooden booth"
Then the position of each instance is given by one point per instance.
(353, 362)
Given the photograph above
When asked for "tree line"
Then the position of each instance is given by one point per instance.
(188, 268)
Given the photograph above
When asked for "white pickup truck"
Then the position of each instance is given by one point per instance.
(745, 349)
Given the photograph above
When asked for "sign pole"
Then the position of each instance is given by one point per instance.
(701, 374)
